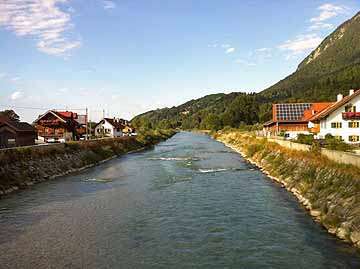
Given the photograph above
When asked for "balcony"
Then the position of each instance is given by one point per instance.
(351, 115)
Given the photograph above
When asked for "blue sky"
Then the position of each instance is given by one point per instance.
(130, 56)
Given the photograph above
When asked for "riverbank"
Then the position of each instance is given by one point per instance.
(23, 167)
(329, 190)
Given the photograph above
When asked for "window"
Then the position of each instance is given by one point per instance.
(323, 124)
(353, 138)
(336, 125)
(338, 137)
(350, 108)
(353, 124)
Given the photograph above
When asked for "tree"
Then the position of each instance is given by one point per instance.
(10, 114)
(212, 122)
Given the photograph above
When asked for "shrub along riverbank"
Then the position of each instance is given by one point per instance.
(329, 190)
(21, 167)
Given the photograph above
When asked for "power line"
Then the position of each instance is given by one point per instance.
(42, 108)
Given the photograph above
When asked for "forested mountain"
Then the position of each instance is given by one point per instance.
(333, 67)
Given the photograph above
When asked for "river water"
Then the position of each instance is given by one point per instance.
(190, 202)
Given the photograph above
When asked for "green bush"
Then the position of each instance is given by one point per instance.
(305, 139)
(336, 144)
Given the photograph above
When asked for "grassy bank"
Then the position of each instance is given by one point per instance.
(329, 190)
(21, 167)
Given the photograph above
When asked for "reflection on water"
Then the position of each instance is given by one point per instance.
(189, 202)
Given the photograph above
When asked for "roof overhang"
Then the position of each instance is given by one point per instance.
(47, 112)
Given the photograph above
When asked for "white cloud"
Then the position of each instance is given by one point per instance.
(291, 57)
(263, 50)
(301, 44)
(63, 90)
(214, 45)
(320, 26)
(225, 46)
(14, 79)
(41, 19)
(2, 75)
(116, 97)
(328, 11)
(230, 50)
(244, 62)
(16, 95)
(108, 4)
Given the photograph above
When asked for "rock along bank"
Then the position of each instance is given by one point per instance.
(25, 166)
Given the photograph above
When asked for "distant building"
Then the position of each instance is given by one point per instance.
(291, 119)
(55, 126)
(113, 127)
(16, 134)
(341, 120)
(109, 127)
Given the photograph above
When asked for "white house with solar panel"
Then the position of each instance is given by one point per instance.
(341, 119)
(292, 119)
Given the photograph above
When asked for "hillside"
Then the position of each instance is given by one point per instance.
(333, 67)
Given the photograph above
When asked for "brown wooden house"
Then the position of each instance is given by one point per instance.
(59, 125)
(291, 119)
(16, 134)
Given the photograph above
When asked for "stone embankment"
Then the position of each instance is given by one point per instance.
(329, 190)
(22, 167)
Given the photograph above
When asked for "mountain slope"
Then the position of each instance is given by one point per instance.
(332, 68)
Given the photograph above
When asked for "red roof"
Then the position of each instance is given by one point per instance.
(67, 114)
(335, 106)
(315, 109)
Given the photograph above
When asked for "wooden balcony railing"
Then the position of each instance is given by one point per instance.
(351, 115)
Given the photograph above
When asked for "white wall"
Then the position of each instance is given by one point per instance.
(294, 134)
(336, 116)
(107, 130)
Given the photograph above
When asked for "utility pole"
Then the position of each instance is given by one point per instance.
(86, 122)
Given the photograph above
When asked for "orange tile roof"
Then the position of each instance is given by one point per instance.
(315, 109)
(67, 114)
(335, 106)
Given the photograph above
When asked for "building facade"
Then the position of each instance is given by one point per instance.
(291, 119)
(340, 120)
(53, 126)
(109, 127)
(16, 134)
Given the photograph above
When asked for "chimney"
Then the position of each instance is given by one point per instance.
(339, 97)
(351, 92)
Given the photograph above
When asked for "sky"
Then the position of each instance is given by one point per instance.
(130, 56)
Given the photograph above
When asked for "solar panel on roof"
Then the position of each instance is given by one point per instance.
(291, 111)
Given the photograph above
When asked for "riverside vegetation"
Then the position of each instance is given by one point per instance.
(329, 190)
(21, 167)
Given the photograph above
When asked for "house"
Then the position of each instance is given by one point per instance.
(16, 134)
(291, 119)
(109, 127)
(341, 119)
(60, 126)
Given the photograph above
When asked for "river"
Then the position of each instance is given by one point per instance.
(190, 202)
